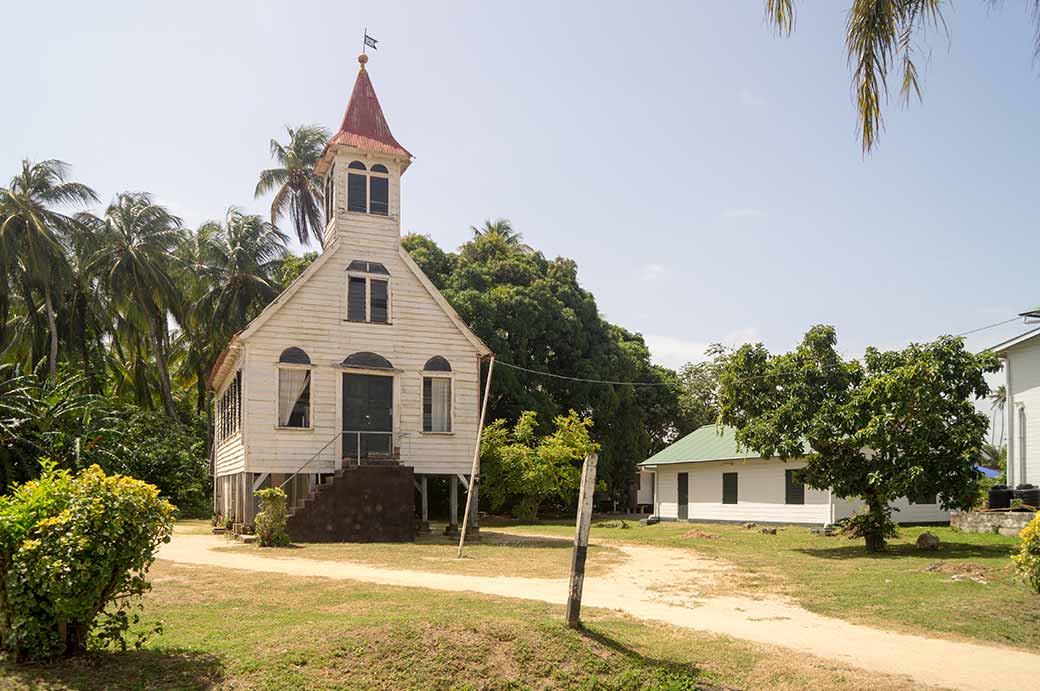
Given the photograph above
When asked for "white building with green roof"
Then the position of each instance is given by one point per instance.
(706, 476)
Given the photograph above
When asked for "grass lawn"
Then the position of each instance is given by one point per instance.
(903, 589)
(496, 554)
(230, 630)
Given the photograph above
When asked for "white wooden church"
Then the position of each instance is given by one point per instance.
(360, 363)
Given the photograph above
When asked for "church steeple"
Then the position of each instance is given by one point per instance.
(362, 166)
(364, 126)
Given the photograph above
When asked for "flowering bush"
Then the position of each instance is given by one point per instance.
(1028, 558)
(272, 518)
(74, 552)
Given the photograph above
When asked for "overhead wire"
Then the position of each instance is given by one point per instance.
(610, 382)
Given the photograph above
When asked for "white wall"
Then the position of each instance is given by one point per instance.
(904, 511)
(761, 496)
(760, 493)
(1025, 387)
(645, 493)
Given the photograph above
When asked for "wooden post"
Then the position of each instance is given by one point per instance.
(581, 540)
(453, 505)
(475, 470)
(425, 500)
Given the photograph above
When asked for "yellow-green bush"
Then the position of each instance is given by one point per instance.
(271, 520)
(74, 552)
(1028, 558)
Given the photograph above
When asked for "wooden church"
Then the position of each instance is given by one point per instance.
(359, 383)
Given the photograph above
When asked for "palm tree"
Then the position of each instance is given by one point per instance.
(994, 457)
(881, 36)
(299, 189)
(502, 228)
(239, 259)
(29, 224)
(998, 402)
(135, 264)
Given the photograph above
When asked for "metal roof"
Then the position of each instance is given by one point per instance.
(1001, 348)
(364, 126)
(708, 443)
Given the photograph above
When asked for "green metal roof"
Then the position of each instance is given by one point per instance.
(708, 443)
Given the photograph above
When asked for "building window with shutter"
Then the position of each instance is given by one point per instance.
(437, 401)
(330, 193)
(794, 490)
(368, 293)
(294, 389)
(379, 190)
(229, 410)
(729, 488)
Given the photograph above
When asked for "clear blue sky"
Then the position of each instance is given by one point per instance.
(705, 174)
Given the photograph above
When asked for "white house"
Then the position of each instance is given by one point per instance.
(361, 360)
(705, 476)
(1021, 360)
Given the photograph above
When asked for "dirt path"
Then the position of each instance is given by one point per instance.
(662, 584)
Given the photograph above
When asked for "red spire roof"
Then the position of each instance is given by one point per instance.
(364, 126)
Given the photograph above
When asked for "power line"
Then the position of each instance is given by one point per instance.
(582, 380)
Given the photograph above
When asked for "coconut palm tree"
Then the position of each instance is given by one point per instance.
(998, 402)
(299, 189)
(501, 227)
(135, 264)
(30, 225)
(238, 258)
(882, 36)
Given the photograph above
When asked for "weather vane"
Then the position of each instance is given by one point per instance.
(369, 43)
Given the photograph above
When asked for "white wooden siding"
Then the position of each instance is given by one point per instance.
(1025, 388)
(761, 495)
(313, 318)
(645, 493)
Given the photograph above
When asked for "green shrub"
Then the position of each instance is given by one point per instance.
(271, 520)
(1028, 558)
(74, 553)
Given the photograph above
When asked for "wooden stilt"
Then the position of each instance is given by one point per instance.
(424, 499)
(453, 506)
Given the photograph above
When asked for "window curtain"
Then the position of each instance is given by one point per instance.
(440, 404)
(291, 384)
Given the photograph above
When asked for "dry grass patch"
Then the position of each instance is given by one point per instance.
(229, 630)
(497, 554)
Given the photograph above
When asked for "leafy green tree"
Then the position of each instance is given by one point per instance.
(698, 389)
(533, 313)
(883, 37)
(994, 457)
(299, 190)
(522, 470)
(133, 262)
(291, 267)
(35, 232)
(897, 424)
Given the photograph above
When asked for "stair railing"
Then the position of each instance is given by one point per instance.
(309, 461)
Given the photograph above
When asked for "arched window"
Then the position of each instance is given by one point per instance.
(294, 388)
(366, 360)
(437, 364)
(357, 188)
(294, 356)
(437, 400)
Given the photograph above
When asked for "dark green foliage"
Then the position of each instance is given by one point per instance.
(897, 424)
(532, 312)
(76, 429)
(74, 552)
(291, 267)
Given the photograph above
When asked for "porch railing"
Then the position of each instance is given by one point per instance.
(359, 445)
(296, 500)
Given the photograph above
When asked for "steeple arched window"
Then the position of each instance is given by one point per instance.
(368, 190)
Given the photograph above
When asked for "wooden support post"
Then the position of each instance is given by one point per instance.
(581, 540)
(475, 470)
(424, 499)
(453, 506)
